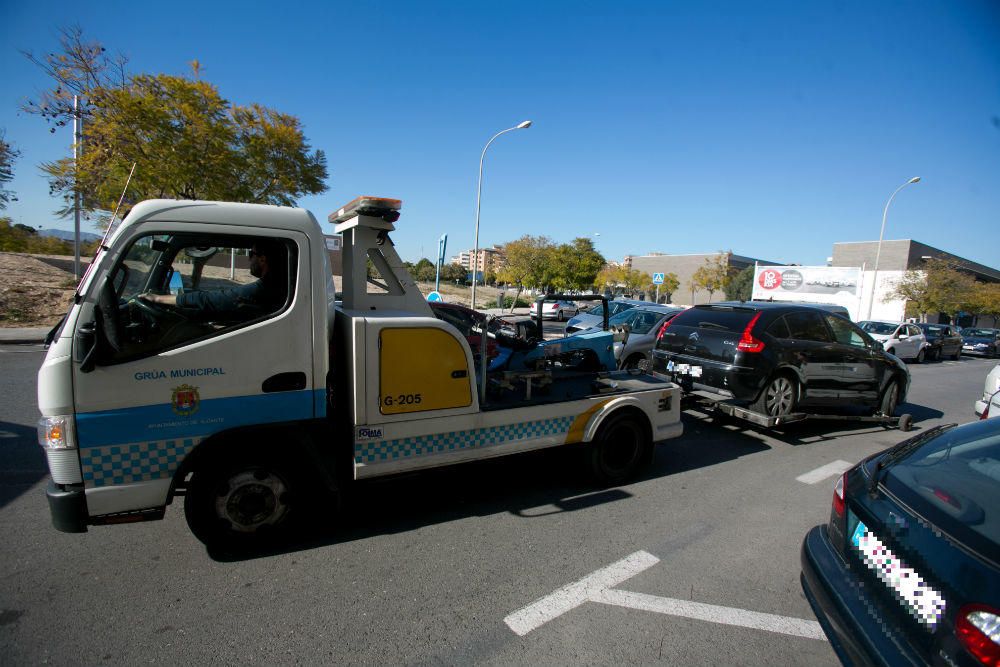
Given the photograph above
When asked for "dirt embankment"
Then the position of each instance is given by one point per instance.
(35, 290)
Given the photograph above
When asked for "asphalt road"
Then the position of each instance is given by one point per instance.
(426, 569)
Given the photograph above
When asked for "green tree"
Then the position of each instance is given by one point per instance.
(986, 300)
(939, 288)
(576, 264)
(740, 286)
(527, 263)
(187, 141)
(634, 280)
(452, 272)
(669, 285)
(424, 270)
(712, 275)
(608, 278)
(8, 154)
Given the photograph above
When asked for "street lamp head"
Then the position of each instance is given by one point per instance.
(915, 179)
(524, 125)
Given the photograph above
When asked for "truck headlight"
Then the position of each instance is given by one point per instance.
(57, 432)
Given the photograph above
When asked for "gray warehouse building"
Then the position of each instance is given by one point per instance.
(684, 267)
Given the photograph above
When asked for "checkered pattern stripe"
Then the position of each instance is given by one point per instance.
(134, 462)
(393, 450)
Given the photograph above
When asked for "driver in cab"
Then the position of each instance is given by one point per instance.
(264, 294)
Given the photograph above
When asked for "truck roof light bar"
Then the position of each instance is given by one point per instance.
(378, 207)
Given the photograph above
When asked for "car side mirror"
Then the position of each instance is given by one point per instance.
(902, 337)
(876, 345)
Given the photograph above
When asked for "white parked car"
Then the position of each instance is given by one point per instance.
(989, 406)
(905, 340)
(559, 310)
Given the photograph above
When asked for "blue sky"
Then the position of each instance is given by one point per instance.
(773, 129)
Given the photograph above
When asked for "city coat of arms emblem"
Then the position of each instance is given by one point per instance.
(185, 400)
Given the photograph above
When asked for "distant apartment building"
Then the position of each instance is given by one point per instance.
(487, 261)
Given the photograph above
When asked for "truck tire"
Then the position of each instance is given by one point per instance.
(622, 447)
(778, 398)
(246, 500)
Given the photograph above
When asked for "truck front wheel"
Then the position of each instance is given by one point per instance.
(244, 501)
(621, 448)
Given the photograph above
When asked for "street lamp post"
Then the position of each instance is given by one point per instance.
(479, 190)
(878, 252)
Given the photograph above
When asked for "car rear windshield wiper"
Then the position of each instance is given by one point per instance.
(901, 451)
(713, 325)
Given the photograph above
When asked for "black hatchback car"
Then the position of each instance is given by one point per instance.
(907, 571)
(777, 357)
(943, 341)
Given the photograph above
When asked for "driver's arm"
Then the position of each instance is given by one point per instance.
(162, 299)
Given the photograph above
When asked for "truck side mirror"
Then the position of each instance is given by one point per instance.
(85, 346)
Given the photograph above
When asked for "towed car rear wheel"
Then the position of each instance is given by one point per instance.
(890, 399)
(779, 397)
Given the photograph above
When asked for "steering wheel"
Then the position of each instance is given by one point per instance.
(154, 310)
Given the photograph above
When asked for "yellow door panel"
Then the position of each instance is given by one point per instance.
(421, 369)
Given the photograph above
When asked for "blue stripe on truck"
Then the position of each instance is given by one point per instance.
(160, 422)
(149, 442)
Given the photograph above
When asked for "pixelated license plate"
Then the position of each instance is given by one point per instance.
(922, 602)
(684, 369)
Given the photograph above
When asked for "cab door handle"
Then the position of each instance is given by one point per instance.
(284, 382)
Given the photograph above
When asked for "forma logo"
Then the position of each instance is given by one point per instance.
(369, 433)
(769, 279)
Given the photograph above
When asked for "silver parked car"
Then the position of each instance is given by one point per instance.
(905, 340)
(594, 316)
(644, 323)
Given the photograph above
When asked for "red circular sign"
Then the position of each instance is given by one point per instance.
(769, 279)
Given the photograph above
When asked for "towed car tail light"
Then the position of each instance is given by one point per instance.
(978, 628)
(747, 342)
(663, 328)
(839, 504)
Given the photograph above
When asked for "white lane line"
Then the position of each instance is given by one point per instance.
(572, 595)
(821, 473)
(598, 587)
(785, 625)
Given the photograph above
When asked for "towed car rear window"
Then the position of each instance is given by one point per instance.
(723, 319)
(953, 481)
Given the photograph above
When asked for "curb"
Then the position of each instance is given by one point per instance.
(23, 335)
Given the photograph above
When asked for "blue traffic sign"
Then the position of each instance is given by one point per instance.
(657, 278)
(435, 296)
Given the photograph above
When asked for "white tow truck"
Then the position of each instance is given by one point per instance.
(260, 414)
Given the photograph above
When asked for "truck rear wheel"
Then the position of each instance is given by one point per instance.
(245, 501)
(621, 448)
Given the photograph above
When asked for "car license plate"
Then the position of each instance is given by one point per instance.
(684, 369)
(918, 598)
